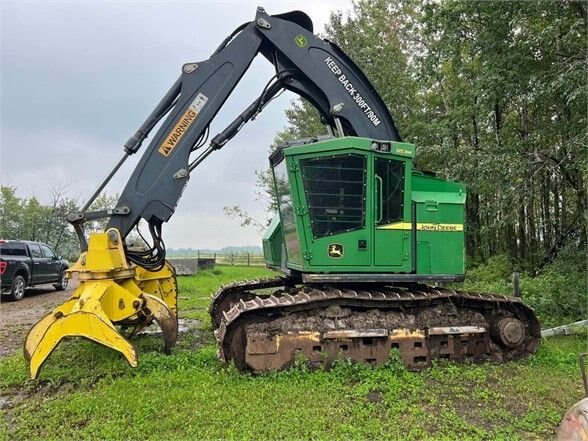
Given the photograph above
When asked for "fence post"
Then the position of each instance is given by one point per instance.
(247, 259)
(215, 258)
(232, 262)
(516, 289)
(198, 254)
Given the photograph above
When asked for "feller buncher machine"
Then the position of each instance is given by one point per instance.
(361, 238)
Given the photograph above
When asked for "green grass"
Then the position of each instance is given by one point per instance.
(89, 392)
(195, 292)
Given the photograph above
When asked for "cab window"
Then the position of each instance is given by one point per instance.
(47, 252)
(286, 208)
(12, 249)
(335, 192)
(35, 251)
(389, 190)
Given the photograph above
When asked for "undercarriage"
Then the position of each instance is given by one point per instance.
(261, 331)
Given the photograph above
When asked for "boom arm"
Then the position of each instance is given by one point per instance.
(314, 68)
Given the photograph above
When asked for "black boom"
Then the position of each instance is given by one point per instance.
(314, 68)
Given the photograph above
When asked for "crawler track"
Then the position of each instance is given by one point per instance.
(364, 323)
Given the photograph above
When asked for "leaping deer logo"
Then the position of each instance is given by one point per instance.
(335, 250)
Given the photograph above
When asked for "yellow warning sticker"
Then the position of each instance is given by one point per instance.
(182, 126)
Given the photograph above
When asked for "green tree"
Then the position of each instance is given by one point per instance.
(104, 201)
(30, 219)
(505, 90)
(373, 33)
(11, 213)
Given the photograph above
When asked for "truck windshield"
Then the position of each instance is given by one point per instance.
(12, 249)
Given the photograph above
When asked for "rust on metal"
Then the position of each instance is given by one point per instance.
(354, 333)
(447, 330)
(261, 343)
(261, 332)
(510, 331)
(574, 425)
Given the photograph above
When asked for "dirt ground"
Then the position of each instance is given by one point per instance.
(16, 318)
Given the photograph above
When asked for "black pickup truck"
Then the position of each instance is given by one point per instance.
(24, 263)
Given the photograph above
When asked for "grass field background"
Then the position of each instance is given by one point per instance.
(89, 392)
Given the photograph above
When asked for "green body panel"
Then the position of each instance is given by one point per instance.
(345, 206)
(273, 240)
(440, 202)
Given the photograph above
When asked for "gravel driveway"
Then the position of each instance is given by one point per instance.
(16, 318)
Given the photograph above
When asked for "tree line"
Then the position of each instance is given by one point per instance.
(493, 94)
(29, 219)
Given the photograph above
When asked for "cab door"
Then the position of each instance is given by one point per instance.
(334, 200)
(40, 269)
(391, 233)
(53, 265)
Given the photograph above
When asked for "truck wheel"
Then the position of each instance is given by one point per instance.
(62, 284)
(18, 288)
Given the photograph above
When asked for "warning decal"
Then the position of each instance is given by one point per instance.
(182, 126)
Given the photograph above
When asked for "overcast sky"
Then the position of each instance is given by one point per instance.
(78, 78)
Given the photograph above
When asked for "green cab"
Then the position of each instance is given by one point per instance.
(354, 206)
